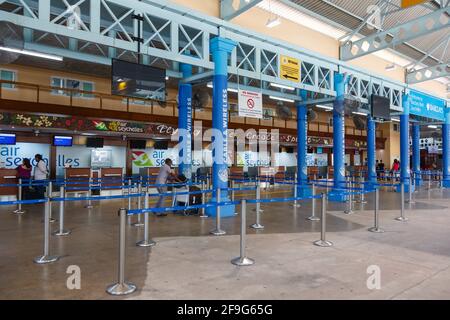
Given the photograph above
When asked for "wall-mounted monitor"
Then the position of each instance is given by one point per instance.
(94, 142)
(161, 145)
(7, 139)
(62, 141)
(138, 144)
(380, 107)
(137, 80)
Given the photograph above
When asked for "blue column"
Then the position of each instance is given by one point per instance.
(185, 123)
(220, 49)
(302, 146)
(404, 144)
(446, 148)
(416, 153)
(338, 138)
(371, 152)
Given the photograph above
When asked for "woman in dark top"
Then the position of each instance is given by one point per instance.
(24, 173)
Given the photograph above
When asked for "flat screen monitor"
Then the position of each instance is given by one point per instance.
(138, 144)
(161, 145)
(7, 139)
(62, 141)
(94, 142)
(137, 80)
(381, 107)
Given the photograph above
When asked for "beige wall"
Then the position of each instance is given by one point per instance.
(392, 145)
(209, 7)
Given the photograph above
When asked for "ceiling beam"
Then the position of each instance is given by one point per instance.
(426, 24)
(429, 73)
(230, 9)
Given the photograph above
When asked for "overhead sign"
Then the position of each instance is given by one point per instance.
(250, 104)
(424, 105)
(410, 3)
(289, 68)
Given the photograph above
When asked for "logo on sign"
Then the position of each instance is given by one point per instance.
(250, 103)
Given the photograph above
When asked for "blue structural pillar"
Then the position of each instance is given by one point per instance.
(416, 153)
(446, 149)
(338, 139)
(371, 153)
(185, 122)
(220, 49)
(302, 140)
(404, 145)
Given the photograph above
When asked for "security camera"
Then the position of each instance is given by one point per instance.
(36, 132)
(124, 138)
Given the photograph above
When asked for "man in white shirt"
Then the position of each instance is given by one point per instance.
(166, 173)
(40, 174)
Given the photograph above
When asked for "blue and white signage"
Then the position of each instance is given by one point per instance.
(424, 105)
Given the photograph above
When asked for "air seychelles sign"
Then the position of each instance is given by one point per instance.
(421, 104)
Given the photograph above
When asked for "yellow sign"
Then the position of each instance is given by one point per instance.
(410, 3)
(289, 68)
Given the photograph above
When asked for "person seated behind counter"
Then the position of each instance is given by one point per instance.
(166, 174)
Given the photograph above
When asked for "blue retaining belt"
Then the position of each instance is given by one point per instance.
(181, 208)
(8, 203)
(283, 199)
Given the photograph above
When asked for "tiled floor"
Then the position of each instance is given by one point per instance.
(187, 262)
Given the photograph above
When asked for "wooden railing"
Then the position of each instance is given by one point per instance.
(21, 91)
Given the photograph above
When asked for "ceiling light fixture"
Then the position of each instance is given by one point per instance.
(273, 22)
(432, 126)
(281, 86)
(360, 113)
(320, 106)
(32, 53)
(210, 85)
(281, 99)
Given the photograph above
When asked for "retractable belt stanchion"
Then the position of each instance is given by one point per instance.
(349, 209)
(257, 225)
(362, 197)
(410, 192)
(129, 193)
(376, 228)
(139, 204)
(218, 231)
(61, 231)
(232, 190)
(243, 260)
(121, 287)
(323, 242)
(49, 195)
(296, 204)
(147, 242)
(402, 206)
(89, 204)
(19, 198)
(46, 257)
(313, 205)
(203, 210)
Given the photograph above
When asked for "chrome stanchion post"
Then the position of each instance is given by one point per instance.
(313, 205)
(258, 197)
(232, 190)
(218, 231)
(402, 206)
(19, 198)
(296, 204)
(129, 193)
(203, 211)
(243, 260)
(139, 205)
(349, 209)
(147, 242)
(257, 225)
(49, 196)
(89, 204)
(121, 287)
(61, 231)
(46, 257)
(323, 242)
(376, 228)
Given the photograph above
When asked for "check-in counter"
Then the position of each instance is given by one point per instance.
(111, 178)
(237, 172)
(77, 179)
(8, 176)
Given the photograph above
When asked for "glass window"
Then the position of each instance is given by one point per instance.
(88, 86)
(72, 84)
(58, 83)
(8, 75)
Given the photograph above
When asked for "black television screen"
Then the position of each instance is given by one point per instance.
(138, 144)
(137, 80)
(7, 139)
(161, 145)
(94, 142)
(62, 141)
(381, 107)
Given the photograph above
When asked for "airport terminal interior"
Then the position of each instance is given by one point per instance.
(224, 149)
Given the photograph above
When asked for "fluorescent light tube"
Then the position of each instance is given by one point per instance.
(395, 120)
(281, 99)
(360, 113)
(432, 126)
(324, 107)
(281, 86)
(33, 53)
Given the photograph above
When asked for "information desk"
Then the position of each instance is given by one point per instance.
(77, 179)
(111, 177)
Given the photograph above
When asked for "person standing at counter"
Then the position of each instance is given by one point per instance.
(24, 173)
(166, 173)
(40, 174)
